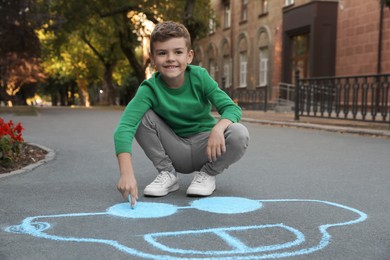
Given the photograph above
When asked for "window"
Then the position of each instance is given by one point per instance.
(212, 25)
(263, 75)
(288, 2)
(263, 6)
(226, 16)
(300, 55)
(243, 69)
(244, 10)
(226, 82)
(212, 68)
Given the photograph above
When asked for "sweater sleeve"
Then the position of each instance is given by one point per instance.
(131, 117)
(220, 100)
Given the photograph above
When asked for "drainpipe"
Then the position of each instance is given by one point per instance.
(231, 74)
(379, 60)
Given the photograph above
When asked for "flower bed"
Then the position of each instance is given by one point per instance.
(10, 141)
(14, 152)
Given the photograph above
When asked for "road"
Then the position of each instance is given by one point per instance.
(296, 194)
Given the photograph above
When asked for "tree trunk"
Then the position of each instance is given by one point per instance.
(63, 91)
(109, 90)
(84, 94)
(126, 37)
(188, 18)
(54, 99)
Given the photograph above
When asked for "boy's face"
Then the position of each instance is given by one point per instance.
(171, 58)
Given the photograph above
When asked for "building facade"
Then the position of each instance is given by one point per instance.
(261, 43)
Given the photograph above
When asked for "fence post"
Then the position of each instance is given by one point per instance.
(297, 84)
(266, 98)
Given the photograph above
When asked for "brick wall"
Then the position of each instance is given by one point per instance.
(356, 42)
(357, 38)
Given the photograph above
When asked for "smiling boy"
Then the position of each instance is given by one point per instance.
(170, 118)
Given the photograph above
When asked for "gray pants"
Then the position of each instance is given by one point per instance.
(167, 151)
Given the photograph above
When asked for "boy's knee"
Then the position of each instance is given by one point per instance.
(237, 135)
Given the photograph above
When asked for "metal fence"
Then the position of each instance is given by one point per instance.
(285, 98)
(251, 99)
(363, 98)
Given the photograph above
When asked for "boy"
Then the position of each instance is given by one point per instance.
(170, 118)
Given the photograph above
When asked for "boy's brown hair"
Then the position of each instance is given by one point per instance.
(167, 30)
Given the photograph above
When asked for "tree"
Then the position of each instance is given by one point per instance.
(19, 52)
(78, 30)
(114, 29)
(66, 65)
(131, 21)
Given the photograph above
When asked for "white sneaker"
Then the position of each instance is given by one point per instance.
(202, 185)
(164, 183)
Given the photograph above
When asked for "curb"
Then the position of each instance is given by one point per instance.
(341, 129)
(49, 156)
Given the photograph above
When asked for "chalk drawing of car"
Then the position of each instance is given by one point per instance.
(259, 240)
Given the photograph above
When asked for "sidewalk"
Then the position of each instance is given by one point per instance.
(337, 125)
(272, 118)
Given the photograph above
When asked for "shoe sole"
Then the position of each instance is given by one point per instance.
(199, 193)
(173, 188)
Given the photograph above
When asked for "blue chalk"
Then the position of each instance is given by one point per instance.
(130, 202)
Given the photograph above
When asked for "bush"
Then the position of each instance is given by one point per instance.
(10, 141)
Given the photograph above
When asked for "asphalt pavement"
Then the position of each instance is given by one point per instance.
(298, 193)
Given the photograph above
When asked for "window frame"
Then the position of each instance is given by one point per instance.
(212, 68)
(263, 66)
(227, 71)
(263, 7)
(227, 15)
(243, 69)
(244, 10)
(212, 25)
(288, 2)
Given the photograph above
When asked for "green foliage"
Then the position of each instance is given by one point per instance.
(194, 14)
(100, 41)
(6, 150)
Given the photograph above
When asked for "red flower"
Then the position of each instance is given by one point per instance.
(15, 132)
(19, 128)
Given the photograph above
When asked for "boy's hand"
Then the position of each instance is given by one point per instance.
(127, 185)
(216, 143)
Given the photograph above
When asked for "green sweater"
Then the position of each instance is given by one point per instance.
(186, 109)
